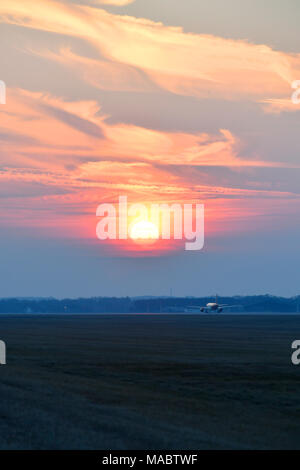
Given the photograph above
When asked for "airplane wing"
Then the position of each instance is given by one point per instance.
(229, 306)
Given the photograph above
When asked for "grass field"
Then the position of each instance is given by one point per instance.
(149, 382)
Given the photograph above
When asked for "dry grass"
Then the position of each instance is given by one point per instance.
(149, 382)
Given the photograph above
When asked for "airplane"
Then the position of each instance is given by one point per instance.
(210, 307)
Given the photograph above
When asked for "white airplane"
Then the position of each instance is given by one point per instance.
(210, 307)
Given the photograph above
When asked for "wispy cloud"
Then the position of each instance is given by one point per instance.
(188, 64)
(65, 156)
(277, 105)
(72, 159)
(79, 130)
(118, 3)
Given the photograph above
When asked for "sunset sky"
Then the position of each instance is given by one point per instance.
(162, 101)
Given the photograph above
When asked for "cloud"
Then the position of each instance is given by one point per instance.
(118, 3)
(60, 158)
(143, 52)
(276, 106)
(76, 122)
(103, 74)
(68, 158)
(70, 146)
(64, 133)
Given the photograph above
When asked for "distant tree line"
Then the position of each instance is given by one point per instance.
(259, 303)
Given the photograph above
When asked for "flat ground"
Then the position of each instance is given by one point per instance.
(149, 382)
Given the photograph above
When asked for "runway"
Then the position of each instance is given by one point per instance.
(149, 381)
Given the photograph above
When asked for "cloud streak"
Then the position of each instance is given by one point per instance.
(118, 3)
(65, 156)
(182, 63)
(72, 160)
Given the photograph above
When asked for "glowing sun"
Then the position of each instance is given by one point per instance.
(144, 230)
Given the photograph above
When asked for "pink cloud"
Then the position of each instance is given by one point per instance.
(60, 159)
(148, 54)
(118, 3)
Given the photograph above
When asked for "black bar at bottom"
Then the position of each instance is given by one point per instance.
(138, 458)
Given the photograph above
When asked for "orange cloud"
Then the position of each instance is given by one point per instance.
(60, 159)
(118, 3)
(103, 74)
(276, 106)
(77, 132)
(189, 64)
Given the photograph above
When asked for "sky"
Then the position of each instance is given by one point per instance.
(162, 101)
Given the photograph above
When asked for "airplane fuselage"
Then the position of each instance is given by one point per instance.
(211, 307)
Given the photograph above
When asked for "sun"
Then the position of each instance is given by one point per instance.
(144, 230)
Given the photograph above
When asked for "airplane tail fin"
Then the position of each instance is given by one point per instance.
(216, 298)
